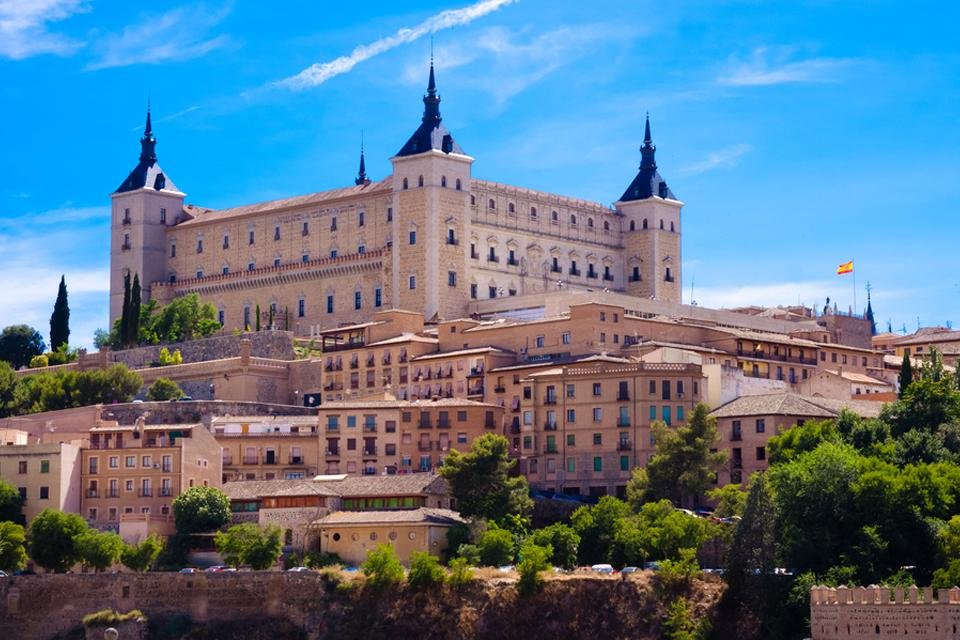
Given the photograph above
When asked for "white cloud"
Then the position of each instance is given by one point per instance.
(722, 159)
(56, 216)
(771, 66)
(811, 293)
(177, 35)
(318, 73)
(24, 27)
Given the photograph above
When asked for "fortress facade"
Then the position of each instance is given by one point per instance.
(429, 237)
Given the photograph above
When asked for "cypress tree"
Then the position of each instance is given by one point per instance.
(258, 317)
(60, 319)
(270, 323)
(133, 322)
(286, 318)
(125, 314)
(906, 373)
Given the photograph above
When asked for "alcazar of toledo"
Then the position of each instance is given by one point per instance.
(430, 237)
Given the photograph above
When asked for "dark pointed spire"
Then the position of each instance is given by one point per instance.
(362, 174)
(148, 144)
(648, 182)
(431, 134)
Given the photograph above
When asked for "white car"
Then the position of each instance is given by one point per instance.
(602, 568)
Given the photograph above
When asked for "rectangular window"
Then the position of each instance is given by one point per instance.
(597, 439)
(357, 300)
(250, 237)
(597, 464)
(163, 215)
(130, 462)
(44, 466)
(333, 224)
(624, 463)
(571, 439)
(378, 297)
(680, 414)
(301, 308)
(571, 415)
(113, 462)
(666, 415)
(571, 390)
(565, 337)
(22, 466)
(329, 304)
(389, 214)
(276, 232)
(761, 425)
(653, 412)
(413, 237)
(653, 387)
(597, 414)
(571, 465)
(473, 291)
(452, 278)
(540, 341)
(200, 245)
(173, 251)
(360, 219)
(412, 283)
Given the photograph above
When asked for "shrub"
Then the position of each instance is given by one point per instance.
(533, 560)
(140, 557)
(107, 617)
(469, 553)
(164, 389)
(39, 361)
(316, 560)
(167, 358)
(247, 543)
(496, 547)
(680, 624)
(382, 567)
(564, 541)
(678, 574)
(461, 573)
(425, 571)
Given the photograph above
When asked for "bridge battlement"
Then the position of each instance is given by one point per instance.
(857, 613)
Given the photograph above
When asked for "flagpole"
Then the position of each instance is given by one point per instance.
(854, 271)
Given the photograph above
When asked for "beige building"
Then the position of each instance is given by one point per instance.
(429, 237)
(920, 343)
(137, 470)
(268, 447)
(746, 424)
(47, 476)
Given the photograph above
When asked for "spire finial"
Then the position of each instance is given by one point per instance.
(361, 178)
(647, 138)
(148, 144)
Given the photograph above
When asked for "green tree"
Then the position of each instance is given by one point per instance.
(681, 624)
(659, 531)
(60, 318)
(596, 526)
(533, 560)
(13, 552)
(801, 438)
(754, 549)
(257, 320)
(730, 499)
(382, 567)
(496, 547)
(98, 549)
(480, 481)
(906, 373)
(928, 402)
(201, 509)
(461, 574)
(133, 322)
(248, 544)
(11, 503)
(8, 390)
(141, 557)
(52, 539)
(425, 571)
(683, 465)
(164, 389)
(19, 343)
(563, 540)
(122, 328)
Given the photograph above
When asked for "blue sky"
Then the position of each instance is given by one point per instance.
(799, 135)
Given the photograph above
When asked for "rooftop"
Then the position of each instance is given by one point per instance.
(792, 404)
(423, 515)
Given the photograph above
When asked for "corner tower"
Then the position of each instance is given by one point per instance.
(431, 186)
(651, 231)
(144, 205)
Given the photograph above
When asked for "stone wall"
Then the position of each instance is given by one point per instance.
(277, 345)
(880, 612)
(197, 411)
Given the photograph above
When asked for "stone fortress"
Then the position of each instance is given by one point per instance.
(429, 237)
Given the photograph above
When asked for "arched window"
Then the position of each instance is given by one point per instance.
(671, 226)
(644, 223)
(573, 219)
(633, 227)
(554, 216)
(459, 185)
(606, 225)
(511, 208)
(590, 223)
(533, 212)
(405, 184)
(491, 204)
(420, 181)
(443, 181)
(473, 200)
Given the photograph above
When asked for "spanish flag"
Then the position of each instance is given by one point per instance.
(846, 267)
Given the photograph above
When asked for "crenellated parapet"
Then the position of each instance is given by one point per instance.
(855, 613)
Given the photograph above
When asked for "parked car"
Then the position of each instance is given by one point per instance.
(217, 568)
(629, 570)
(602, 568)
(3, 574)
(506, 568)
(653, 565)
(299, 570)
(188, 570)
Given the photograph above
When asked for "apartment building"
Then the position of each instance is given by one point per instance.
(137, 470)
(584, 427)
(268, 447)
(46, 475)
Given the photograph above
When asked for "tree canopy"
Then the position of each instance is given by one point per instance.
(11, 503)
(184, 318)
(19, 343)
(480, 481)
(249, 544)
(13, 553)
(52, 539)
(98, 549)
(201, 509)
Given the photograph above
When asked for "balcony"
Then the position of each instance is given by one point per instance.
(165, 492)
(513, 262)
(452, 241)
(592, 274)
(624, 445)
(333, 428)
(475, 391)
(146, 492)
(489, 424)
(333, 453)
(93, 493)
(608, 277)
(113, 493)
(296, 460)
(443, 424)
(126, 220)
(167, 468)
(633, 279)
(499, 389)
(369, 452)
(493, 259)
(250, 460)
(475, 371)
(354, 364)
(550, 448)
(370, 427)
(550, 400)
(575, 272)
(623, 422)
(269, 460)
(474, 255)
(549, 426)
(623, 397)
(668, 278)
(736, 436)
(424, 446)
(125, 246)
(425, 424)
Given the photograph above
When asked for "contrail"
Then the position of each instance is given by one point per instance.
(318, 73)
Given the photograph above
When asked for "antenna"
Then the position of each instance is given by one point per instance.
(693, 279)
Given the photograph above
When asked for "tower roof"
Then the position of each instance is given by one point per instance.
(648, 182)
(147, 173)
(431, 134)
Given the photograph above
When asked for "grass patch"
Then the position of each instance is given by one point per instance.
(107, 617)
